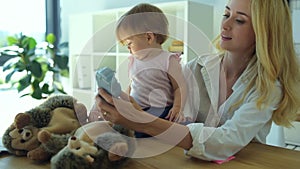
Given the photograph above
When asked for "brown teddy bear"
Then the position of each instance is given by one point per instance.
(59, 114)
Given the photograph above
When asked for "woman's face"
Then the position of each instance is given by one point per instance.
(237, 34)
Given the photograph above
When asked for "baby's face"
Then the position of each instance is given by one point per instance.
(136, 43)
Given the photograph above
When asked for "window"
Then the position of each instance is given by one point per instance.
(19, 16)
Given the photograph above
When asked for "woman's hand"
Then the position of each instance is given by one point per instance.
(105, 106)
(95, 114)
(123, 110)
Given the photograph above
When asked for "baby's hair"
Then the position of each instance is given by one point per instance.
(141, 19)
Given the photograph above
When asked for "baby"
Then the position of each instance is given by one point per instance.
(156, 79)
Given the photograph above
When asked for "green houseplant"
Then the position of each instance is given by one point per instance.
(35, 69)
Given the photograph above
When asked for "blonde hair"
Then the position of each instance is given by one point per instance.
(275, 58)
(143, 18)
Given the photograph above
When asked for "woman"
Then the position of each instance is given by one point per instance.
(258, 79)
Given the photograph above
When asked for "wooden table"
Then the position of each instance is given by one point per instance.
(254, 156)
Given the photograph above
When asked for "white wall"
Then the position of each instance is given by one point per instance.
(117, 3)
(219, 7)
(69, 7)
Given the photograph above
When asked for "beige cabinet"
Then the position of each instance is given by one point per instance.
(93, 44)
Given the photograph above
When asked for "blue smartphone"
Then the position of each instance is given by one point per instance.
(106, 79)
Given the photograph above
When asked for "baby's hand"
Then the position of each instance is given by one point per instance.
(175, 115)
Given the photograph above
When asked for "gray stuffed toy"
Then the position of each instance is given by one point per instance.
(96, 145)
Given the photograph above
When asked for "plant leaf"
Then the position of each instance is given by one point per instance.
(61, 91)
(12, 40)
(61, 61)
(31, 43)
(64, 73)
(53, 69)
(59, 87)
(63, 45)
(50, 38)
(8, 76)
(14, 63)
(30, 52)
(24, 83)
(27, 43)
(27, 94)
(45, 89)
(36, 69)
(20, 66)
(36, 90)
(8, 65)
(37, 93)
(23, 42)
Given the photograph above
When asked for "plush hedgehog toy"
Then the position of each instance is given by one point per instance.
(59, 114)
(96, 145)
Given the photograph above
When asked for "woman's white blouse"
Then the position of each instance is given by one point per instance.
(238, 126)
